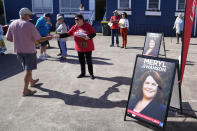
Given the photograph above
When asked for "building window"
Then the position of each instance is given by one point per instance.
(180, 5)
(124, 4)
(153, 5)
(42, 6)
(69, 6)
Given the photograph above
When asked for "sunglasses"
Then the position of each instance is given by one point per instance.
(76, 19)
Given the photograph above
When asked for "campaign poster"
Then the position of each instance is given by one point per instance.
(151, 89)
(152, 44)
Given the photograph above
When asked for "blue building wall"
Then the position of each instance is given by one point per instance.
(13, 6)
(139, 22)
(85, 3)
(162, 24)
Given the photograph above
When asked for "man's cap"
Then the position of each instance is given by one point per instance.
(25, 11)
(115, 11)
(47, 15)
(60, 17)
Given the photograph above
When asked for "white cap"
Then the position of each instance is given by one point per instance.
(25, 11)
(115, 11)
(60, 17)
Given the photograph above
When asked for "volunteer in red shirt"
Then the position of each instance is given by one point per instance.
(114, 28)
(83, 34)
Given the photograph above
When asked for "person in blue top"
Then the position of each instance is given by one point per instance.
(149, 97)
(42, 25)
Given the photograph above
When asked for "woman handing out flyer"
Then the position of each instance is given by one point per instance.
(83, 34)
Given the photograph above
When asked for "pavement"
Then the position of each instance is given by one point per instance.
(65, 103)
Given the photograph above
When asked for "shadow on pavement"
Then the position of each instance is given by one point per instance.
(83, 101)
(191, 63)
(170, 125)
(188, 111)
(136, 48)
(10, 66)
(52, 47)
(69, 59)
(181, 126)
(193, 44)
(120, 80)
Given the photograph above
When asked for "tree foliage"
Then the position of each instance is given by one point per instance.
(1, 7)
(1, 13)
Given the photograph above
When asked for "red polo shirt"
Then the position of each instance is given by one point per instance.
(87, 29)
(115, 25)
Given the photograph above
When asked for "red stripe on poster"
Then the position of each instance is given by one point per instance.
(144, 116)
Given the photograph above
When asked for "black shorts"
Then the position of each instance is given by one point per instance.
(43, 44)
(28, 60)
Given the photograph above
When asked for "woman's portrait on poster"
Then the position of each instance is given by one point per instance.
(151, 49)
(148, 98)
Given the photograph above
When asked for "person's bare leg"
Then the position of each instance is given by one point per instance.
(41, 50)
(32, 81)
(44, 50)
(27, 78)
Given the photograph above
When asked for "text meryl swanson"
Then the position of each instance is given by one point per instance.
(154, 65)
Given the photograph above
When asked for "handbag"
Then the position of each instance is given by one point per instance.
(84, 44)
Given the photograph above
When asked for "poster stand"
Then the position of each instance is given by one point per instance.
(154, 45)
(162, 51)
(167, 82)
(176, 100)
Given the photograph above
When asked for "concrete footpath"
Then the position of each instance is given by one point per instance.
(65, 103)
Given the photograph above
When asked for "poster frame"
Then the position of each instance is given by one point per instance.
(164, 47)
(170, 94)
(179, 88)
(159, 43)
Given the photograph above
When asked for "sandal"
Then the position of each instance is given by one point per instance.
(34, 82)
(29, 93)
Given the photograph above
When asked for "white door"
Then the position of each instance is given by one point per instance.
(92, 5)
(92, 8)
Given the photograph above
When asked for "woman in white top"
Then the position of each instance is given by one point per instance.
(124, 26)
(178, 25)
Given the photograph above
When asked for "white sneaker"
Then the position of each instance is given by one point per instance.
(46, 55)
(42, 57)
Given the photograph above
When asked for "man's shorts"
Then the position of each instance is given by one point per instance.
(43, 44)
(28, 60)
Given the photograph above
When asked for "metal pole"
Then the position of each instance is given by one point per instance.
(5, 18)
(195, 23)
